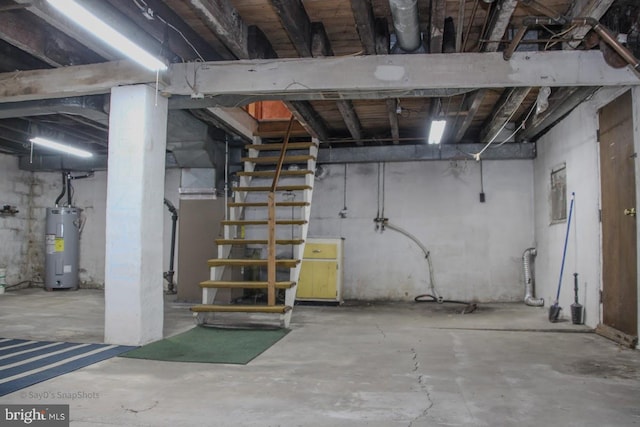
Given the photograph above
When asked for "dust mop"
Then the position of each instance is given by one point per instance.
(554, 310)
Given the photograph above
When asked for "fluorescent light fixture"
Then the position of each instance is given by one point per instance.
(104, 32)
(437, 130)
(61, 147)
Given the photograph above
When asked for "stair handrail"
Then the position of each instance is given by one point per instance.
(271, 223)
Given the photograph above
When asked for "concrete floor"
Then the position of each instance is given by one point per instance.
(355, 365)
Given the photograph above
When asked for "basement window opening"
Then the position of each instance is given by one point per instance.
(559, 194)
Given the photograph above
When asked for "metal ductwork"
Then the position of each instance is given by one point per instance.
(527, 257)
(405, 22)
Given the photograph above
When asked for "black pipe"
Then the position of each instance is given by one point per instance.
(64, 188)
(171, 288)
(470, 306)
(69, 201)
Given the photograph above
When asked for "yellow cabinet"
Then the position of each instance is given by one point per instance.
(321, 271)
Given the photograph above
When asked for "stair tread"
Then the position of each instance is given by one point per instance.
(215, 262)
(243, 284)
(264, 204)
(233, 308)
(278, 146)
(263, 222)
(278, 188)
(270, 173)
(257, 242)
(274, 159)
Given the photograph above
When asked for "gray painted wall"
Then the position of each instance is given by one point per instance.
(476, 247)
(22, 236)
(574, 142)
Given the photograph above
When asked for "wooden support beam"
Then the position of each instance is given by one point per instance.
(502, 12)
(351, 119)
(54, 18)
(305, 114)
(372, 74)
(24, 31)
(225, 21)
(76, 80)
(295, 21)
(460, 25)
(363, 15)
(195, 48)
(436, 25)
(503, 111)
(258, 46)
(392, 106)
(320, 44)
(561, 102)
(474, 103)
(586, 9)
(383, 42)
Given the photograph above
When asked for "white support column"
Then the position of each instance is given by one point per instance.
(133, 264)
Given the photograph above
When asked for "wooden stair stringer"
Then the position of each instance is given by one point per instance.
(298, 251)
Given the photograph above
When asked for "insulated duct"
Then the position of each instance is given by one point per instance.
(527, 257)
(405, 22)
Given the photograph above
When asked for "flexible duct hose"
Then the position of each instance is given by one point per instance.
(528, 279)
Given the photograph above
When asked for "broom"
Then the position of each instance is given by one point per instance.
(554, 310)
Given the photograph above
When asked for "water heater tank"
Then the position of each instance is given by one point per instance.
(62, 241)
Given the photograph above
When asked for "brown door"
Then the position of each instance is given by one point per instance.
(617, 168)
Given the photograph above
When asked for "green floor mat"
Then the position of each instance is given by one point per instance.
(210, 345)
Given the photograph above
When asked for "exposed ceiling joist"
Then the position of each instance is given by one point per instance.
(225, 22)
(561, 103)
(54, 18)
(166, 24)
(48, 45)
(503, 11)
(420, 152)
(351, 120)
(586, 9)
(392, 113)
(365, 23)
(306, 115)
(295, 20)
(503, 112)
(398, 72)
(438, 9)
(311, 39)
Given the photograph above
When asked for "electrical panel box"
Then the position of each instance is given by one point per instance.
(321, 271)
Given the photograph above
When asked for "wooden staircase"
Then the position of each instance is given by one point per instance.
(266, 216)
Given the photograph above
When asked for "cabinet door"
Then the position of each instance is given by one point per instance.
(318, 280)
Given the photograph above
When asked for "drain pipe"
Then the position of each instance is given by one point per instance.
(528, 279)
(405, 23)
(171, 288)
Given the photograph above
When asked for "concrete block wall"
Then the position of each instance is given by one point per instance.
(18, 253)
(22, 235)
(476, 247)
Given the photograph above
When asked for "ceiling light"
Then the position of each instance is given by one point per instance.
(104, 32)
(61, 147)
(436, 132)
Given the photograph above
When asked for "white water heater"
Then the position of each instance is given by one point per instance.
(62, 240)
